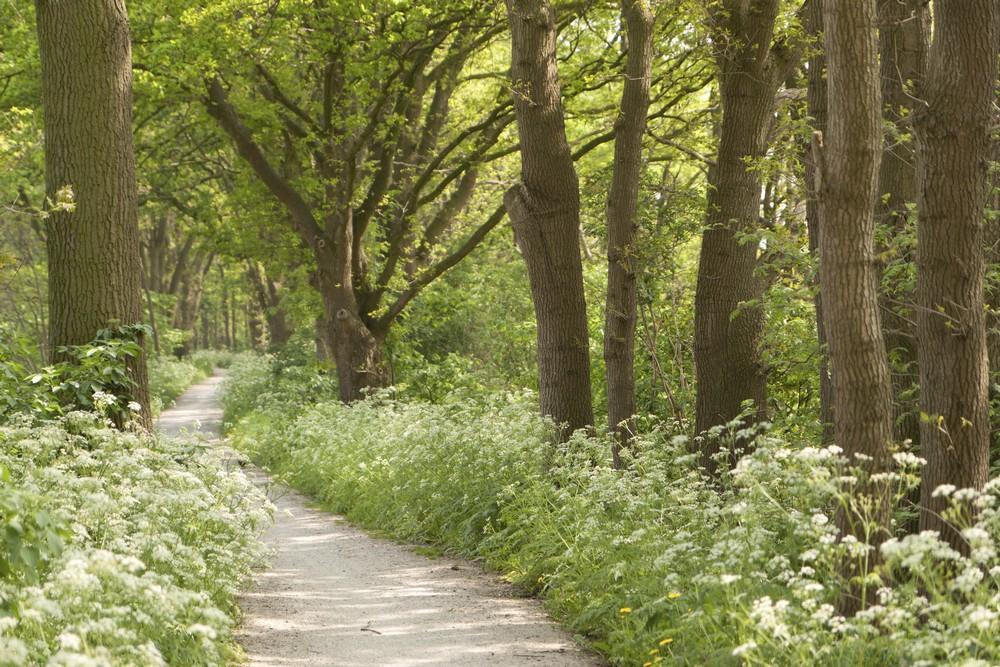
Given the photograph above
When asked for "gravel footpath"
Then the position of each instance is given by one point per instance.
(333, 595)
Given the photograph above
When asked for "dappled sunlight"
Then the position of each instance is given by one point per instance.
(334, 591)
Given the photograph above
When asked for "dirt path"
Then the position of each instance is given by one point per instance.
(335, 596)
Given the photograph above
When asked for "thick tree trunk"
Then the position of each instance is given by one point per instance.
(544, 210)
(623, 198)
(729, 320)
(94, 254)
(902, 52)
(953, 134)
(817, 101)
(848, 162)
(356, 350)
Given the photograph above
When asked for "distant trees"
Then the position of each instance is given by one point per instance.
(93, 244)
(367, 160)
(902, 32)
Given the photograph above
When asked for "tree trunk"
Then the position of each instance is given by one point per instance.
(269, 300)
(902, 52)
(848, 163)
(255, 327)
(991, 244)
(227, 339)
(356, 349)
(620, 312)
(953, 135)
(544, 209)
(94, 254)
(189, 301)
(817, 101)
(729, 320)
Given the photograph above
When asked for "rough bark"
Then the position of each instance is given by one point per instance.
(903, 28)
(94, 255)
(623, 198)
(848, 160)
(729, 321)
(816, 101)
(953, 136)
(544, 209)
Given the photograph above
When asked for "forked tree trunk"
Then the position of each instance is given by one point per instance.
(94, 256)
(544, 209)
(847, 159)
(953, 134)
(620, 313)
(902, 52)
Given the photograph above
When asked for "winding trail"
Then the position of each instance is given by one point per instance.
(333, 595)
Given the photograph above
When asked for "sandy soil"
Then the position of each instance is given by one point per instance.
(335, 596)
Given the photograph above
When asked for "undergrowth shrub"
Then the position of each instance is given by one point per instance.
(652, 563)
(89, 376)
(208, 360)
(120, 548)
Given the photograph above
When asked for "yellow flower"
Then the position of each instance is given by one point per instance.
(647, 664)
(654, 651)
(666, 640)
(625, 610)
(673, 595)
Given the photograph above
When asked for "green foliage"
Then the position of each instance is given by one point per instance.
(120, 548)
(208, 360)
(279, 382)
(31, 536)
(169, 377)
(93, 377)
(652, 563)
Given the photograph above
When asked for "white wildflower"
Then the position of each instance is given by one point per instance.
(944, 490)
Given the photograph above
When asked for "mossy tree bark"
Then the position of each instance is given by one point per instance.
(816, 100)
(94, 256)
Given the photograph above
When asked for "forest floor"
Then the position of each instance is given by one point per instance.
(333, 595)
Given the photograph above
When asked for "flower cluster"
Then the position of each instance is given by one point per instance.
(145, 545)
